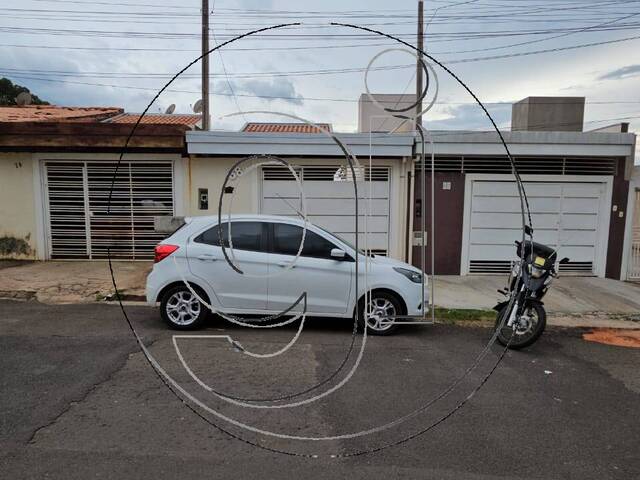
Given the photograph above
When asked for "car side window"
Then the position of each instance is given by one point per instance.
(286, 241)
(244, 236)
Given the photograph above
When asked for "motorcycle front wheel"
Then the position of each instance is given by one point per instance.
(530, 326)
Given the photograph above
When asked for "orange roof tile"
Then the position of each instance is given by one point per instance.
(54, 113)
(158, 119)
(255, 127)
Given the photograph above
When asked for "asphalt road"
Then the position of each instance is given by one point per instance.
(79, 400)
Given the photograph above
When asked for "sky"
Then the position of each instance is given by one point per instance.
(122, 52)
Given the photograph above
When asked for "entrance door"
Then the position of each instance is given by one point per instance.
(69, 233)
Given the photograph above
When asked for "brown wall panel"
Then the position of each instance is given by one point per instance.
(617, 223)
(449, 213)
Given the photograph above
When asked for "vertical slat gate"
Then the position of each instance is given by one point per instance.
(66, 197)
(84, 223)
(151, 195)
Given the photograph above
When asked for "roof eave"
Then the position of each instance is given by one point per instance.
(296, 144)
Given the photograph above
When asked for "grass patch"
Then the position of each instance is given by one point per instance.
(455, 315)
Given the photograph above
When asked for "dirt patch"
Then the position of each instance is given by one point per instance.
(614, 336)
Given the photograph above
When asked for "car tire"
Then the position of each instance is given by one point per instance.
(181, 310)
(381, 301)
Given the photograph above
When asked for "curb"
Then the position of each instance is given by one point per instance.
(17, 294)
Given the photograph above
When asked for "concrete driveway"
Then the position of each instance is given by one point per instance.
(79, 401)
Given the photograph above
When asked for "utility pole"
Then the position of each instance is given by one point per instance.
(418, 64)
(205, 65)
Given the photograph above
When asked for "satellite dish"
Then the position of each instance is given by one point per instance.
(24, 98)
(170, 109)
(197, 107)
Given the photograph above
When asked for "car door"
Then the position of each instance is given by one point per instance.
(238, 291)
(326, 280)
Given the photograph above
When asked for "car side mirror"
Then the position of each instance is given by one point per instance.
(338, 254)
(564, 260)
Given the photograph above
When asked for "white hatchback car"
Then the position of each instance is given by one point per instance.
(263, 249)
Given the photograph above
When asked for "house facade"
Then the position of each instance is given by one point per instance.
(577, 184)
(56, 200)
(56, 180)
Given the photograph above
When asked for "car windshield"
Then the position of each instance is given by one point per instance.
(346, 242)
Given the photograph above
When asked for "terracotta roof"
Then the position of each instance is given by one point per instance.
(284, 127)
(158, 119)
(53, 113)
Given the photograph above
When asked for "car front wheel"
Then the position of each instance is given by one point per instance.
(181, 310)
(381, 310)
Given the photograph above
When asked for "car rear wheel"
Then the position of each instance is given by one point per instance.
(181, 310)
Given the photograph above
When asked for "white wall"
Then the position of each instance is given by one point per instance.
(18, 232)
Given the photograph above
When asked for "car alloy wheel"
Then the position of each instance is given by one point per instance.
(183, 308)
(380, 314)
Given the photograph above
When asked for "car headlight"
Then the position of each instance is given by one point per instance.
(415, 277)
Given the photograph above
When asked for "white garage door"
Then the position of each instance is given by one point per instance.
(565, 215)
(330, 203)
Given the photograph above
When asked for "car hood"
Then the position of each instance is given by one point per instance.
(392, 262)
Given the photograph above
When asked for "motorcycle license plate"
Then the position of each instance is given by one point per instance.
(539, 261)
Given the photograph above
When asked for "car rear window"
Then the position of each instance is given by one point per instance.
(244, 236)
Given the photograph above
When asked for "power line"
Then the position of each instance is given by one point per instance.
(441, 37)
(313, 72)
(280, 97)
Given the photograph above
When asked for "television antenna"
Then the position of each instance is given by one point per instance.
(170, 109)
(197, 107)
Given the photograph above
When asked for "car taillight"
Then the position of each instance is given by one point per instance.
(162, 251)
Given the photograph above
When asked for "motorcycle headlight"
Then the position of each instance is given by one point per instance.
(415, 277)
(536, 272)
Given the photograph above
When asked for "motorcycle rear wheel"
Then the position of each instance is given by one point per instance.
(528, 333)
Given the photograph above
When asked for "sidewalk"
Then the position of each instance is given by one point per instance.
(571, 301)
(71, 282)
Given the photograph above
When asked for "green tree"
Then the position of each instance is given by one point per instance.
(9, 91)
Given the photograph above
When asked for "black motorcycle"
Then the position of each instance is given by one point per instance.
(521, 318)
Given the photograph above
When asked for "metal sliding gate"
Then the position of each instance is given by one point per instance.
(634, 259)
(80, 224)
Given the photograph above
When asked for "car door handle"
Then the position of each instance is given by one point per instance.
(207, 257)
(285, 264)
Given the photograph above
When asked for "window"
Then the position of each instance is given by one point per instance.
(244, 236)
(287, 238)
